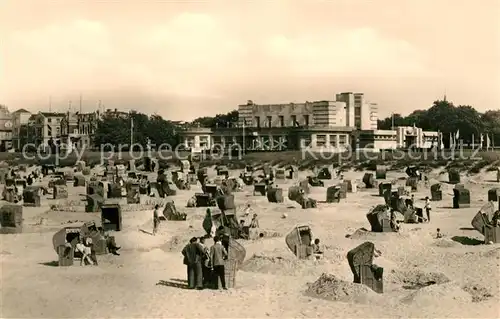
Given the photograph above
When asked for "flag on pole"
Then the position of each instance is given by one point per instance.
(457, 135)
(131, 123)
(481, 140)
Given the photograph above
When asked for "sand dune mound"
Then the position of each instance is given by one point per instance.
(445, 243)
(332, 288)
(365, 234)
(448, 293)
(477, 292)
(177, 243)
(280, 265)
(416, 279)
(493, 253)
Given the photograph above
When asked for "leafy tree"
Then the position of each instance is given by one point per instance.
(219, 120)
(161, 131)
(113, 131)
(443, 116)
(116, 130)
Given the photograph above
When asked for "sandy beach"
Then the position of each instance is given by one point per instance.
(148, 278)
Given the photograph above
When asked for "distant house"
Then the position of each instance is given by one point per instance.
(47, 127)
(5, 129)
(20, 120)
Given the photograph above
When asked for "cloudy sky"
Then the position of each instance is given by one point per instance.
(184, 59)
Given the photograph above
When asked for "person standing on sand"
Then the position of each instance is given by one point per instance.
(193, 254)
(156, 219)
(218, 254)
(207, 264)
(427, 208)
(255, 222)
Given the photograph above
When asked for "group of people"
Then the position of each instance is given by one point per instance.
(85, 247)
(427, 208)
(205, 266)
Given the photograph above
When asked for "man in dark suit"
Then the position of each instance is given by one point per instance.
(193, 255)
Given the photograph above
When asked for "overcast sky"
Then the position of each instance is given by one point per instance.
(184, 59)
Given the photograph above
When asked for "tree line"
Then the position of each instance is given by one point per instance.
(116, 131)
(447, 118)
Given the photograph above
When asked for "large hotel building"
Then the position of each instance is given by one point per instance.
(350, 120)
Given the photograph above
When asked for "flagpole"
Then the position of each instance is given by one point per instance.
(472, 141)
(244, 120)
(131, 132)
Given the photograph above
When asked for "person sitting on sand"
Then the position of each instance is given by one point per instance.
(247, 211)
(85, 251)
(90, 248)
(316, 249)
(255, 222)
(495, 220)
(438, 234)
(243, 230)
(412, 201)
(394, 224)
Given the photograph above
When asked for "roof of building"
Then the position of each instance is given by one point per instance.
(52, 114)
(21, 111)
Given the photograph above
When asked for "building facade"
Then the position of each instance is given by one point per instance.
(115, 113)
(5, 129)
(87, 127)
(46, 128)
(360, 113)
(70, 136)
(198, 139)
(317, 125)
(20, 120)
(400, 137)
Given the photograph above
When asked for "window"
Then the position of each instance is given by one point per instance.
(306, 141)
(257, 121)
(306, 120)
(357, 111)
(269, 121)
(333, 140)
(294, 120)
(49, 120)
(282, 120)
(320, 140)
(342, 139)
